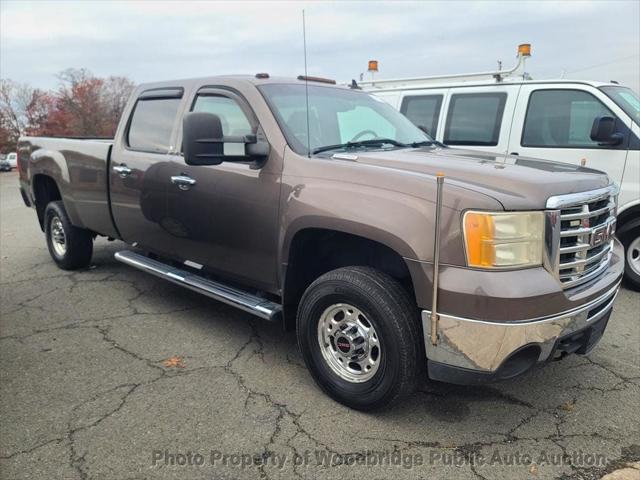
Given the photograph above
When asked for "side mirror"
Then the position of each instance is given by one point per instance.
(204, 143)
(604, 132)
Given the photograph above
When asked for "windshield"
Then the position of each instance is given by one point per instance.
(626, 99)
(337, 116)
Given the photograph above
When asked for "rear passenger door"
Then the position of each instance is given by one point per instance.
(139, 170)
(554, 122)
(479, 118)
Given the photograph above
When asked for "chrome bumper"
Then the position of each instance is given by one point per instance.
(483, 346)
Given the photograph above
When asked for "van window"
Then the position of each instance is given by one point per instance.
(152, 124)
(474, 119)
(423, 111)
(561, 118)
(233, 119)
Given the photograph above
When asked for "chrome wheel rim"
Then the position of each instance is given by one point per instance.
(58, 238)
(349, 343)
(633, 256)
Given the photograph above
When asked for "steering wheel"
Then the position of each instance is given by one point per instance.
(362, 133)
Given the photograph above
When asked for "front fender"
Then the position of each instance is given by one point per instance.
(400, 221)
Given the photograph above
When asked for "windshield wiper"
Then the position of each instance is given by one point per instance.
(360, 143)
(422, 143)
(427, 143)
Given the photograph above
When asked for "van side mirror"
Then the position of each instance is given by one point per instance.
(604, 132)
(204, 143)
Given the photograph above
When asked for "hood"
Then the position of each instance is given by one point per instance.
(518, 183)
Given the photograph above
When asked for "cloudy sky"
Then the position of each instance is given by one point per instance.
(156, 40)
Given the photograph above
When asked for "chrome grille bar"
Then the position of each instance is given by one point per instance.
(579, 216)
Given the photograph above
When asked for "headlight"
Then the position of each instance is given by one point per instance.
(503, 239)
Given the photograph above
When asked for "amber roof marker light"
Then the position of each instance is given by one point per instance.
(372, 68)
(524, 50)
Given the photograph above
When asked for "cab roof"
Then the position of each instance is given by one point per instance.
(255, 79)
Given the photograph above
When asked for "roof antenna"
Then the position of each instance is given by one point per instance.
(306, 82)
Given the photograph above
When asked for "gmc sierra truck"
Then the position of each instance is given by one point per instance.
(317, 206)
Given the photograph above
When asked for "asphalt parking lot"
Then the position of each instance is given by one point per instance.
(110, 373)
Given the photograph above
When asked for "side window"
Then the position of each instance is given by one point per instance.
(561, 118)
(474, 119)
(423, 111)
(233, 119)
(152, 123)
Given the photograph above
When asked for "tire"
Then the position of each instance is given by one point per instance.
(631, 242)
(394, 343)
(69, 246)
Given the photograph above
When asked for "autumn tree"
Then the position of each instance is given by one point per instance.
(82, 105)
(94, 104)
(46, 117)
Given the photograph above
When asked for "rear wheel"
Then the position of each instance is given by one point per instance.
(360, 338)
(69, 246)
(631, 242)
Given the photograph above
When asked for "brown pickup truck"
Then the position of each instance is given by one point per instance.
(317, 206)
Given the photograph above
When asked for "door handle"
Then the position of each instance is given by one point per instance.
(184, 182)
(122, 170)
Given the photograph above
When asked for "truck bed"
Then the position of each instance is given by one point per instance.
(80, 168)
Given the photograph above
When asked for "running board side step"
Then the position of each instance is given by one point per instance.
(258, 306)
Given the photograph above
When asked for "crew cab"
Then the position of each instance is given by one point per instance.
(324, 209)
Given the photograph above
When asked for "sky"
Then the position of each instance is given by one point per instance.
(161, 40)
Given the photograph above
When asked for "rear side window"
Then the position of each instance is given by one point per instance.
(561, 118)
(423, 111)
(474, 119)
(152, 123)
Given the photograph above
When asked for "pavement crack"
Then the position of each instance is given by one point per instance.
(32, 449)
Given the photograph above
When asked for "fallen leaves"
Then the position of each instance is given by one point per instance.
(568, 406)
(174, 362)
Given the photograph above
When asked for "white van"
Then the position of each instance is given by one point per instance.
(590, 123)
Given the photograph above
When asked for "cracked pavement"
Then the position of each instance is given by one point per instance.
(86, 392)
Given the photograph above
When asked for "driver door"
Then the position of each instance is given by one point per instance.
(226, 218)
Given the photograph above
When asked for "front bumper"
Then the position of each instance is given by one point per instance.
(496, 325)
(473, 351)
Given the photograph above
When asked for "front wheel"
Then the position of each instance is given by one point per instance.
(69, 246)
(631, 242)
(359, 334)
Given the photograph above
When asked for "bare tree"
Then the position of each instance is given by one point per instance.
(14, 102)
(115, 95)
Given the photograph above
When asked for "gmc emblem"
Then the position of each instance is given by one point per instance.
(600, 235)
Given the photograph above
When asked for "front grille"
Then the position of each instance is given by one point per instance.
(586, 236)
